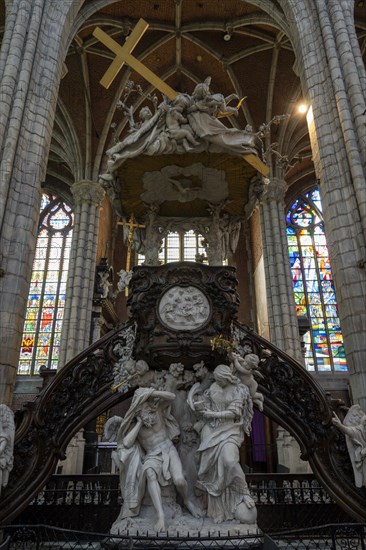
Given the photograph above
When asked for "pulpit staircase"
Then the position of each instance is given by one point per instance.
(83, 389)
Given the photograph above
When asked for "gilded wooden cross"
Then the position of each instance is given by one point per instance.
(132, 225)
(123, 55)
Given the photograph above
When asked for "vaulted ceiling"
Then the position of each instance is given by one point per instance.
(238, 44)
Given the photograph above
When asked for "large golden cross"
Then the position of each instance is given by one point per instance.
(123, 55)
(131, 229)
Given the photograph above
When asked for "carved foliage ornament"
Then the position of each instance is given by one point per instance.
(89, 192)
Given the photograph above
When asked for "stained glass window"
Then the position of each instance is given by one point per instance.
(313, 284)
(183, 246)
(46, 300)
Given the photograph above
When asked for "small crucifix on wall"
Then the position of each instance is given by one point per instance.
(132, 225)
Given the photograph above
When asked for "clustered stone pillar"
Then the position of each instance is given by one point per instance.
(32, 52)
(334, 83)
(77, 323)
(283, 325)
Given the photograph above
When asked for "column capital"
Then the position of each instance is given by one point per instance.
(87, 191)
(275, 191)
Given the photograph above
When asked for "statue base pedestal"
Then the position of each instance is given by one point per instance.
(182, 525)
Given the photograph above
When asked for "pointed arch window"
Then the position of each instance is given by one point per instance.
(180, 246)
(313, 284)
(46, 300)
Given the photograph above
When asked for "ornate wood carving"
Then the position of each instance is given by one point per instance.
(83, 388)
(156, 342)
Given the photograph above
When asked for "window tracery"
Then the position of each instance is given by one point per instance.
(182, 246)
(46, 299)
(313, 284)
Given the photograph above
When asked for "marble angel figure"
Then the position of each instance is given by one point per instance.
(7, 431)
(354, 428)
(146, 456)
(246, 369)
(218, 138)
(225, 410)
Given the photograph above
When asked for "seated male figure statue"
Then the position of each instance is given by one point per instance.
(146, 455)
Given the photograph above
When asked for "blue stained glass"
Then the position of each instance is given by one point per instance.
(45, 310)
(310, 266)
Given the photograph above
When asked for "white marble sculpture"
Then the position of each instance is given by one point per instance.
(146, 456)
(246, 368)
(104, 283)
(124, 279)
(225, 414)
(186, 124)
(152, 236)
(184, 308)
(7, 432)
(354, 428)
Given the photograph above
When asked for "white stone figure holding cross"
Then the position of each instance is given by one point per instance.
(203, 122)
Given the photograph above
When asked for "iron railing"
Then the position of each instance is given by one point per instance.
(266, 489)
(325, 537)
(93, 502)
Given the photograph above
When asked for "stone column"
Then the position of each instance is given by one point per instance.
(283, 326)
(334, 85)
(77, 323)
(32, 53)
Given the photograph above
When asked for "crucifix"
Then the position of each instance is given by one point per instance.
(123, 55)
(132, 225)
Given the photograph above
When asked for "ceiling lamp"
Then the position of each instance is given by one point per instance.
(228, 33)
(303, 108)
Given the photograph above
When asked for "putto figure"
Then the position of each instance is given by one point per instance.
(189, 123)
(146, 455)
(247, 369)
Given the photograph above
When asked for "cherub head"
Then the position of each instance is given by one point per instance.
(141, 367)
(145, 114)
(181, 102)
(251, 360)
(176, 369)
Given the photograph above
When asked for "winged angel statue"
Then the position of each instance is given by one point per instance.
(354, 428)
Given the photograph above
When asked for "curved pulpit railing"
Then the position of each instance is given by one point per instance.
(79, 392)
(83, 389)
(294, 399)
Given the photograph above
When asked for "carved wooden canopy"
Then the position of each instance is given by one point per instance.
(134, 176)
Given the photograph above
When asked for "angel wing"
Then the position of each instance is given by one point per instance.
(353, 416)
(354, 442)
(111, 428)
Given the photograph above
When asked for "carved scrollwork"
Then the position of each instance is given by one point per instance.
(295, 401)
(83, 388)
(76, 394)
(160, 343)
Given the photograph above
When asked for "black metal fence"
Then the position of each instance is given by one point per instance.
(92, 502)
(326, 537)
